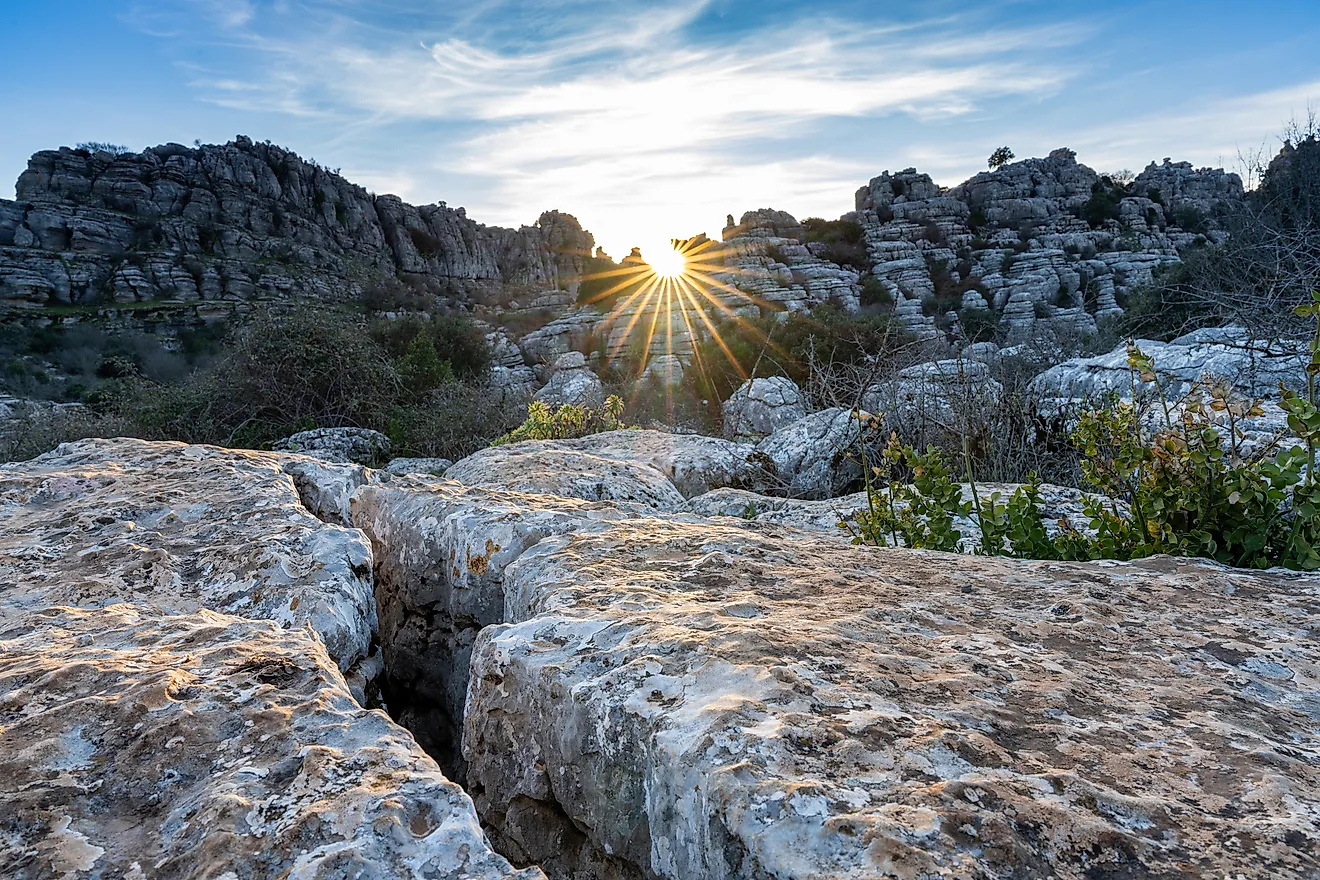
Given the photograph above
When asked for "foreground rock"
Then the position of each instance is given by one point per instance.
(674, 697)
(185, 528)
(207, 746)
(652, 468)
(702, 702)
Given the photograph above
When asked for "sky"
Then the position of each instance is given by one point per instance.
(650, 120)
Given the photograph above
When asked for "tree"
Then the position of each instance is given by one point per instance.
(999, 158)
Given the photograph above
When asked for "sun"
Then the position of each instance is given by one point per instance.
(667, 262)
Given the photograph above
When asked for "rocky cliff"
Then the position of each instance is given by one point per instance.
(247, 220)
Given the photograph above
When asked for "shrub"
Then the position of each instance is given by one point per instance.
(453, 421)
(103, 147)
(1103, 204)
(1186, 487)
(845, 239)
(565, 422)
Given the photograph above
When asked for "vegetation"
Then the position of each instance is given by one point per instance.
(999, 158)
(566, 422)
(845, 241)
(1186, 486)
(414, 379)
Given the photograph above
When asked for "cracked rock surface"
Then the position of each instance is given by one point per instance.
(201, 745)
(706, 702)
(184, 528)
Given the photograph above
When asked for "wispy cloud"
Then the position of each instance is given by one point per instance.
(630, 116)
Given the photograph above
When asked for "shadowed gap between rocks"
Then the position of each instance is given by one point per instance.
(421, 657)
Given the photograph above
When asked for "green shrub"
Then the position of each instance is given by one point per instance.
(565, 422)
(1185, 487)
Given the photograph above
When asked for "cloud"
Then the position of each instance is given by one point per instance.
(631, 117)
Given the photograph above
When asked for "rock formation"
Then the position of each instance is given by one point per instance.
(215, 224)
(651, 689)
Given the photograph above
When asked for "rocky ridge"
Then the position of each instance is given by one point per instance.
(211, 225)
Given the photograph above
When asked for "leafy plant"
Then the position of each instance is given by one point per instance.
(565, 422)
(999, 158)
(1185, 487)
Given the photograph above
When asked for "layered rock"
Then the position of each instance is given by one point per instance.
(139, 744)
(1042, 242)
(247, 220)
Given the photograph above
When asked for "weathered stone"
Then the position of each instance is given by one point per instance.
(441, 550)
(536, 467)
(760, 407)
(816, 457)
(1252, 367)
(202, 745)
(433, 466)
(254, 220)
(356, 445)
(183, 528)
(707, 702)
(572, 383)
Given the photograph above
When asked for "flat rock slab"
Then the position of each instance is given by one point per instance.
(185, 528)
(138, 745)
(702, 701)
(535, 468)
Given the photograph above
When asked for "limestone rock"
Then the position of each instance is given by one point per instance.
(441, 550)
(247, 220)
(183, 528)
(535, 467)
(572, 383)
(357, 445)
(761, 406)
(816, 456)
(700, 701)
(1253, 367)
(203, 745)
(434, 466)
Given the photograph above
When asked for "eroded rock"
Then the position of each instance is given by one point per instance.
(705, 702)
(203, 745)
(184, 528)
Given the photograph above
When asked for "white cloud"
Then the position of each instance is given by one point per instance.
(629, 122)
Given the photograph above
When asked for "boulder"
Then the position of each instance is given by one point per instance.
(693, 463)
(936, 391)
(761, 406)
(701, 701)
(572, 383)
(817, 456)
(356, 445)
(185, 528)
(544, 470)
(1253, 368)
(201, 745)
(433, 466)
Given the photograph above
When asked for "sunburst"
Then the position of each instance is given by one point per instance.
(668, 288)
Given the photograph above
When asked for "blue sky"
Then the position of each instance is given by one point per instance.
(651, 120)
